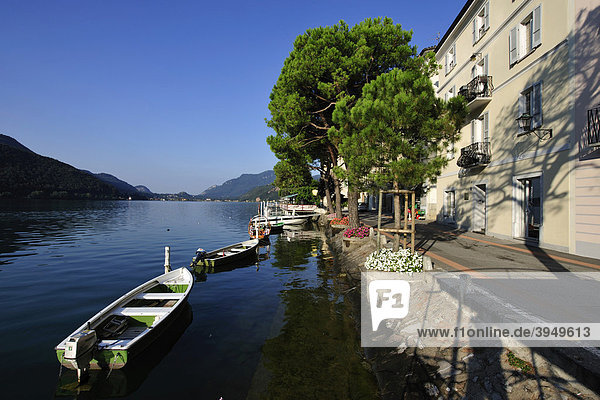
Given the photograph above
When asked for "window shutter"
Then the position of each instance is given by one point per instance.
(474, 71)
(522, 108)
(453, 54)
(446, 63)
(536, 105)
(485, 65)
(486, 127)
(512, 46)
(475, 30)
(536, 27)
(486, 17)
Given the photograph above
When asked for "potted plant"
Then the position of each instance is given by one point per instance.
(356, 235)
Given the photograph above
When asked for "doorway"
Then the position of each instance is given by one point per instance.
(479, 208)
(529, 208)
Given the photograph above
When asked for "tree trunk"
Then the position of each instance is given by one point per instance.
(353, 208)
(327, 179)
(338, 198)
(397, 217)
(328, 198)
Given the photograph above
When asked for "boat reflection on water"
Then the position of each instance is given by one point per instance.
(125, 381)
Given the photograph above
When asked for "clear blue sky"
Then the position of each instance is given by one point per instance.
(168, 94)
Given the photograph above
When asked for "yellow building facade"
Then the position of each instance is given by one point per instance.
(527, 165)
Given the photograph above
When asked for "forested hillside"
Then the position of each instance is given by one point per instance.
(24, 174)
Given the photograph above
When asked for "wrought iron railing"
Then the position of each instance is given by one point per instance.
(480, 86)
(476, 154)
(593, 126)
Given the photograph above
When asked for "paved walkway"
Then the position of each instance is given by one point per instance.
(456, 250)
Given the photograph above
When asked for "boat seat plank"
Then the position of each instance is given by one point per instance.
(132, 311)
(160, 296)
(237, 250)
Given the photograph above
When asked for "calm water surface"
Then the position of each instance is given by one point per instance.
(279, 328)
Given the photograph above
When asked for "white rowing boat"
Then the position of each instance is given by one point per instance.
(127, 326)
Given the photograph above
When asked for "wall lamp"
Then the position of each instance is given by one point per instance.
(524, 122)
(475, 56)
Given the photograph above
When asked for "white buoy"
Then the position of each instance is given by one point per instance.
(167, 259)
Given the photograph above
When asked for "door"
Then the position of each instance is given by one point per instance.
(529, 202)
(479, 208)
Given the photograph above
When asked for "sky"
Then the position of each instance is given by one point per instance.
(168, 94)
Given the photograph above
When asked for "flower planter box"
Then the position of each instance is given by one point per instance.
(354, 241)
(337, 226)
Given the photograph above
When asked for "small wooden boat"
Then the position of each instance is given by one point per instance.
(127, 326)
(259, 227)
(227, 254)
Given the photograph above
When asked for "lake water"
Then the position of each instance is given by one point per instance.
(275, 329)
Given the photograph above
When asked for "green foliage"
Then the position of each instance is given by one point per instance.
(524, 366)
(291, 176)
(327, 65)
(306, 196)
(266, 192)
(397, 130)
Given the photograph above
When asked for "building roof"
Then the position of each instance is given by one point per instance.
(454, 23)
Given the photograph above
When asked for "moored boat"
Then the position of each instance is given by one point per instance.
(127, 326)
(259, 227)
(224, 255)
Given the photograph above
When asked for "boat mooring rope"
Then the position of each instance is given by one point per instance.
(61, 365)
(112, 364)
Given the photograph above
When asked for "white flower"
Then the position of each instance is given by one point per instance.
(400, 261)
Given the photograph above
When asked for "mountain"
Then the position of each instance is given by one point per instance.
(121, 186)
(234, 188)
(143, 189)
(266, 192)
(11, 142)
(25, 174)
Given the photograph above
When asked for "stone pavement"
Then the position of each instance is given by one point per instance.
(455, 250)
(559, 372)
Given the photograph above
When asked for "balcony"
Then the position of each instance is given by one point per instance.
(478, 92)
(593, 127)
(475, 155)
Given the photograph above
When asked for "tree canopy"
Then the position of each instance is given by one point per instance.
(398, 129)
(396, 132)
(326, 65)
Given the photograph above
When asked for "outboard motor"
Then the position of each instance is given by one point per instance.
(79, 351)
(200, 256)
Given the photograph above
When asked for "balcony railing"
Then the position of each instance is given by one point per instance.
(480, 86)
(476, 154)
(593, 131)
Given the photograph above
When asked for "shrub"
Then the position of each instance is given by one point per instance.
(390, 261)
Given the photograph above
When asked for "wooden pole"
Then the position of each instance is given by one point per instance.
(405, 220)
(167, 259)
(414, 219)
(379, 220)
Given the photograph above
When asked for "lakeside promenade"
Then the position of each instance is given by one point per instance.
(452, 249)
(481, 372)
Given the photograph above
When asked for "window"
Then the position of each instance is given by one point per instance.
(526, 36)
(450, 204)
(450, 59)
(481, 23)
(450, 149)
(480, 68)
(450, 93)
(480, 129)
(530, 102)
